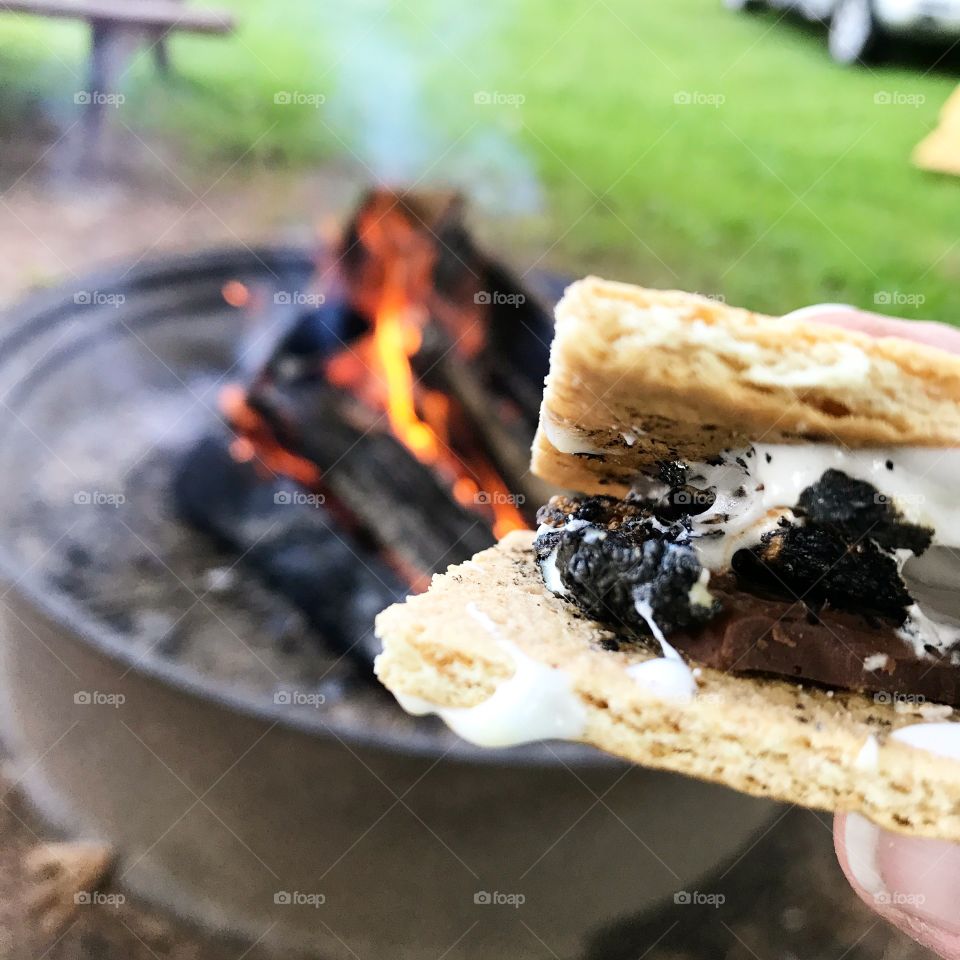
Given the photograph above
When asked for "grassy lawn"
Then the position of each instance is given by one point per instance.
(676, 144)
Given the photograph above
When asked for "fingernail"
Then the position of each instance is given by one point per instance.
(913, 876)
(861, 840)
(816, 309)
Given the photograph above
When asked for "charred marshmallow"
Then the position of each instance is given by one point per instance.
(808, 503)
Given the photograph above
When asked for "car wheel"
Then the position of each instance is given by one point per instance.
(853, 34)
(742, 4)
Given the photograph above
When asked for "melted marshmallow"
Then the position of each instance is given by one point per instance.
(667, 677)
(876, 661)
(758, 487)
(551, 575)
(920, 484)
(536, 703)
(921, 630)
(868, 759)
(548, 565)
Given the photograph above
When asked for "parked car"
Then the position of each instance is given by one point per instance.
(857, 28)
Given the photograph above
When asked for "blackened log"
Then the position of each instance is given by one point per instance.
(294, 544)
(516, 354)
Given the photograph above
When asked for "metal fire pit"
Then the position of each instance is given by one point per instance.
(344, 828)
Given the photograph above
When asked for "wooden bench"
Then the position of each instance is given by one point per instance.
(118, 27)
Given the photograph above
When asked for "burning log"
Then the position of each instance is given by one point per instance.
(405, 399)
(395, 498)
(444, 350)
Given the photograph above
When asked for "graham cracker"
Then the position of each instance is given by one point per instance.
(638, 376)
(766, 737)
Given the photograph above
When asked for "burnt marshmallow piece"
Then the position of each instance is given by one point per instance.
(840, 552)
(859, 511)
(629, 576)
(818, 565)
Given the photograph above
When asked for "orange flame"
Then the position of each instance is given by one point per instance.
(418, 416)
(377, 370)
(392, 344)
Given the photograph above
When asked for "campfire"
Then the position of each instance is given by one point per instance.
(401, 396)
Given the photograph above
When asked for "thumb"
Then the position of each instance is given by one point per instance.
(911, 881)
(937, 335)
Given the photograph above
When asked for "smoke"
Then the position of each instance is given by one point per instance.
(413, 106)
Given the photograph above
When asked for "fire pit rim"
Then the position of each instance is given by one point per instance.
(34, 314)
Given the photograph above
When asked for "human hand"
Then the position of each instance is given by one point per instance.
(912, 882)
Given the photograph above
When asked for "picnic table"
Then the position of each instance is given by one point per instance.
(118, 28)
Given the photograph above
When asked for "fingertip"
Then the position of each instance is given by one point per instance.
(938, 335)
(909, 881)
(815, 312)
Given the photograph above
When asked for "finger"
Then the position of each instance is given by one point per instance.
(911, 882)
(937, 335)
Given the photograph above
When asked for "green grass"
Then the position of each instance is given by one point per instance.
(792, 186)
